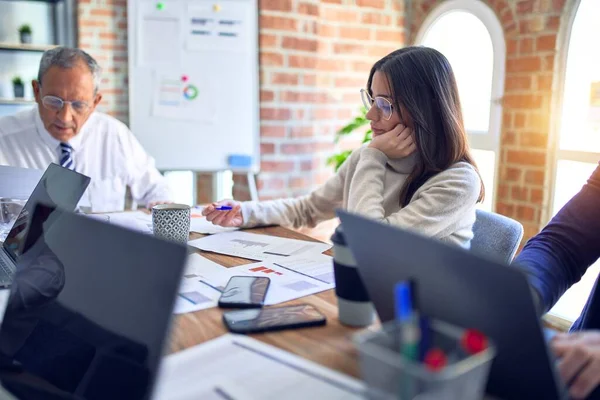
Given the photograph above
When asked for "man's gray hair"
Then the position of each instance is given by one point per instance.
(68, 57)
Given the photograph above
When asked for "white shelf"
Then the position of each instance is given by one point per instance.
(25, 47)
(16, 102)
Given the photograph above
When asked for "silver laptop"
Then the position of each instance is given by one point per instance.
(464, 289)
(58, 186)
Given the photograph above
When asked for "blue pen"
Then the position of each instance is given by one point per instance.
(223, 208)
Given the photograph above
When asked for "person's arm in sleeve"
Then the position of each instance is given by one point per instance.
(307, 210)
(558, 256)
(147, 185)
(434, 210)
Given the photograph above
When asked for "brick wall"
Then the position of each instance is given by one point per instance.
(530, 29)
(102, 32)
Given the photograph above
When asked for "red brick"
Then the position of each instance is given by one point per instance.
(275, 5)
(548, 63)
(532, 25)
(299, 44)
(522, 101)
(526, 46)
(511, 174)
(524, 64)
(309, 165)
(511, 46)
(533, 139)
(108, 35)
(524, 157)
(332, 1)
(505, 209)
(298, 148)
(518, 83)
(536, 196)
(279, 23)
(267, 40)
(282, 78)
(346, 114)
(103, 12)
(272, 131)
(348, 48)
(267, 148)
(267, 95)
(309, 80)
(558, 5)
(390, 35)
(538, 122)
(308, 9)
(535, 177)
(376, 18)
(380, 51)
(324, 113)
(338, 14)
(525, 6)
(545, 43)
(328, 31)
(301, 97)
(349, 82)
(92, 23)
(271, 59)
(519, 120)
(271, 183)
(355, 33)
(306, 62)
(525, 213)
(553, 23)
(544, 82)
(302, 131)
(330, 65)
(361, 66)
(276, 166)
(371, 3)
(299, 183)
(507, 121)
(275, 114)
(520, 193)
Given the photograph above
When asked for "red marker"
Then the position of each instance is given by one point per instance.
(184, 78)
(473, 341)
(435, 360)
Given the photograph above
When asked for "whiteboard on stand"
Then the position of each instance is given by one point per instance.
(193, 83)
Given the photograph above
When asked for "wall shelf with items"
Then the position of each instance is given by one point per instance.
(17, 102)
(25, 47)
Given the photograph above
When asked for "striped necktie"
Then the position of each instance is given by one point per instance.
(66, 156)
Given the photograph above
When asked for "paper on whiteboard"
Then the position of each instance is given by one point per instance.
(224, 27)
(258, 247)
(160, 40)
(260, 370)
(182, 96)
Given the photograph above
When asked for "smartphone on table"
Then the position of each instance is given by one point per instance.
(273, 319)
(245, 292)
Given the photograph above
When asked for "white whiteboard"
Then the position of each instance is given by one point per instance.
(193, 82)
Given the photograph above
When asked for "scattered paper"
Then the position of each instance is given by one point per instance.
(134, 220)
(199, 224)
(260, 371)
(196, 292)
(258, 247)
(318, 266)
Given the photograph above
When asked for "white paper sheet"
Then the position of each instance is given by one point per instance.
(18, 183)
(318, 266)
(134, 220)
(258, 247)
(182, 96)
(259, 371)
(160, 39)
(196, 292)
(199, 224)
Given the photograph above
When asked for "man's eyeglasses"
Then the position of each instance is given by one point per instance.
(56, 104)
(383, 105)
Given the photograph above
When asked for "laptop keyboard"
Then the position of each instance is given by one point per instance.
(5, 271)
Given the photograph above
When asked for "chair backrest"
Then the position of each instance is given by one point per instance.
(496, 236)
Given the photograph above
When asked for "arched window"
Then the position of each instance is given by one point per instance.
(576, 121)
(469, 34)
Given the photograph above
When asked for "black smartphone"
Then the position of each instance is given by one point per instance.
(273, 319)
(244, 292)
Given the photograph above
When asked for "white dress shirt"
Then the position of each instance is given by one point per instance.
(104, 149)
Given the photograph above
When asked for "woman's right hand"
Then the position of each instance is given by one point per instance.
(227, 218)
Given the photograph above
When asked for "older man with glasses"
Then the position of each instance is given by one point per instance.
(65, 128)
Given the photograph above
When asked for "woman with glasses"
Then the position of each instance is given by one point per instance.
(417, 172)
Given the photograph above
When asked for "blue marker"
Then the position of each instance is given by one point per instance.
(223, 208)
(410, 335)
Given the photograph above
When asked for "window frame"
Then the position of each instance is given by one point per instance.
(489, 141)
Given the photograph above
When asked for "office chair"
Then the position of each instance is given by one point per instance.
(496, 236)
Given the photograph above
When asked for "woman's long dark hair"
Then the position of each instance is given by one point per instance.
(422, 83)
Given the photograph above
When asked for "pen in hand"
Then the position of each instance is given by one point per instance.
(223, 208)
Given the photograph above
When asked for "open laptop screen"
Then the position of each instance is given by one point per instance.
(59, 187)
(89, 310)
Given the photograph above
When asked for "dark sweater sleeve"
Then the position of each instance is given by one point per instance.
(560, 254)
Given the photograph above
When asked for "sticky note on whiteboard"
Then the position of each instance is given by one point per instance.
(239, 161)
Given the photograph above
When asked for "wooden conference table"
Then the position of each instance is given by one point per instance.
(330, 345)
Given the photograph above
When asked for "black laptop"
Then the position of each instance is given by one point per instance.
(58, 186)
(89, 310)
(464, 289)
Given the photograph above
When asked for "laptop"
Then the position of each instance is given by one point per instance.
(58, 186)
(89, 310)
(464, 289)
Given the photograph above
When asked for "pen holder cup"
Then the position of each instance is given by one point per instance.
(388, 374)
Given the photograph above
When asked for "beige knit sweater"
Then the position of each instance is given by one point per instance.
(369, 183)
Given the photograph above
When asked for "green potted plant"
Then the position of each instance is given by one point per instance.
(18, 87)
(359, 121)
(25, 33)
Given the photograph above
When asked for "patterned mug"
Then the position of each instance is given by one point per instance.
(171, 222)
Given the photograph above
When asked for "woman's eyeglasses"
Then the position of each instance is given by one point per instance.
(383, 105)
(56, 104)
